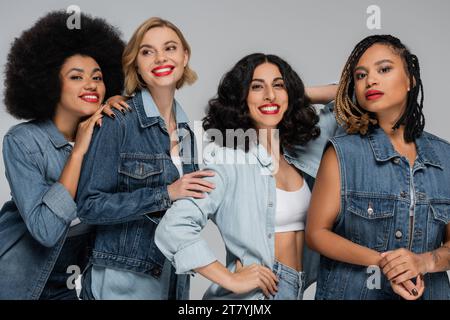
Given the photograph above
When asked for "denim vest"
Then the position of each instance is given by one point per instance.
(35, 223)
(378, 189)
(123, 186)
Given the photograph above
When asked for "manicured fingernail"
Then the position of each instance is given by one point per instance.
(414, 292)
(123, 111)
(113, 116)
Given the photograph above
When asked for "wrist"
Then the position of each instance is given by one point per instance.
(77, 154)
(429, 261)
(375, 259)
(228, 281)
(169, 192)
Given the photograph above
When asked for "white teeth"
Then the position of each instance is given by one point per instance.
(269, 109)
(90, 97)
(162, 70)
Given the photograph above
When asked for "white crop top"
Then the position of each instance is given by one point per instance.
(291, 210)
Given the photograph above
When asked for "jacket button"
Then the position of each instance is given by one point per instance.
(156, 272)
(396, 160)
(398, 234)
(270, 236)
(403, 194)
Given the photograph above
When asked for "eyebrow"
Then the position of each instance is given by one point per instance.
(261, 80)
(151, 47)
(82, 70)
(376, 63)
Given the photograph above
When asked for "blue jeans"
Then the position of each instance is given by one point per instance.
(291, 284)
(140, 286)
(75, 251)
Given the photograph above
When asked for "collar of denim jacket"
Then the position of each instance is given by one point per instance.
(151, 111)
(260, 152)
(56, 137)
(384, 150)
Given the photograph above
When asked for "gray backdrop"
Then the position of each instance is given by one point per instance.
(316, 37)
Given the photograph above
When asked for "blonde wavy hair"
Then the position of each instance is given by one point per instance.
(133, 80)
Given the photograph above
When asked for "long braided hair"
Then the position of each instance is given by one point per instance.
(357, 120)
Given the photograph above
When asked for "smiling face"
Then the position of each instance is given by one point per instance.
(82, 87)
(381, 81)
(161, 58)
(267, 98)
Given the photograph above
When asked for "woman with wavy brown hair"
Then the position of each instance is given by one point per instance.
(262, 184)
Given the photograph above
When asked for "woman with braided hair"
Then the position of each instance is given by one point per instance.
(382, 196)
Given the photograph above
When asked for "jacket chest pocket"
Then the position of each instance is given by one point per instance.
(371, 221)
(140, 170)
(438, 218)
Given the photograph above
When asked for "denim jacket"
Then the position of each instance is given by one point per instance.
(242, 205)
(379, 193)
(34, 224)
(123, 186)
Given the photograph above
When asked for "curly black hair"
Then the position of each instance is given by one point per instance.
(229, 109)
(32, 82)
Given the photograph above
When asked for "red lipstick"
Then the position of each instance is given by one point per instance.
(270, 108)
(90, 97)
(162, 71)
(373, 94)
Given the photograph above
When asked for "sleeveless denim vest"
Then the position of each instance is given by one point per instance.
(380, 193)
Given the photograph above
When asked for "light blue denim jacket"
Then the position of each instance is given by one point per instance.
(242, 205)
(34, 224)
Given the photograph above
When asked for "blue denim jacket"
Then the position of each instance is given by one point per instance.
(378, 187)
(34, 224)
(242, 206)
(123, 186)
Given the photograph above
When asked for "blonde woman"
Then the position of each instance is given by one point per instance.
(147, 163)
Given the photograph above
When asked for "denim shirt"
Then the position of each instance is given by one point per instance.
(379, 191)
(242, 205)
(34, 224)
(123, 185)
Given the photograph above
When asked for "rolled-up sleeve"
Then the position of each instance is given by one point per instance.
(59, 200)
(178, 234)
(46, 208)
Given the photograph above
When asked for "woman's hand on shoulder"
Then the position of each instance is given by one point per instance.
(118, 103)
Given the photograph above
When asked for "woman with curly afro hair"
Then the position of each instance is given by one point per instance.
(261, 122)
(57, 78)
